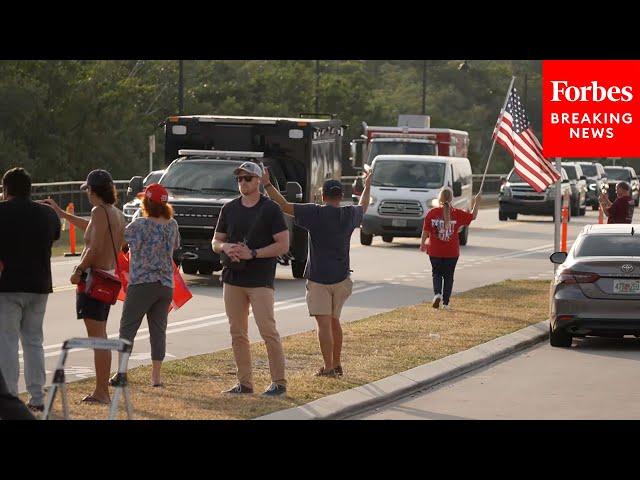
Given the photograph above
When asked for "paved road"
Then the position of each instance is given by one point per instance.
(596, 379)
(386, 276)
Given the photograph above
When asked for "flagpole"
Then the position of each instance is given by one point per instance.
(495, 136)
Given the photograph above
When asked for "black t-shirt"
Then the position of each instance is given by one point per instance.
(28, 231)
(236, 220)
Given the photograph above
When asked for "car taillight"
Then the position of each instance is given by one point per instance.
(572, 277)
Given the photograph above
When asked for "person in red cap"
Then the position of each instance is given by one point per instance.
(152, 238)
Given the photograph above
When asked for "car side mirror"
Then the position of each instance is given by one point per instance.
(136, 185)
(294, 192)
(457, 189)
(558, 257)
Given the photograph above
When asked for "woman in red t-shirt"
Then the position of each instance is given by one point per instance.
(440, 241)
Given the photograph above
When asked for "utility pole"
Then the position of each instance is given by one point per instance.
(180, 88)
(317, 86)
(424, 87)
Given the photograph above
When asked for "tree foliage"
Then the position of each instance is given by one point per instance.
(61, 119)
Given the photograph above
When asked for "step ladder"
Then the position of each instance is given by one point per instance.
(122, 346)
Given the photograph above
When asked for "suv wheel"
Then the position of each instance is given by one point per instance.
(559, 337)
(297, 268)
(502, 216)
(205, 268)
(365, 238)
(190, 267)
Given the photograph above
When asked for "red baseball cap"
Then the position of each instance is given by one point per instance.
(156, 193)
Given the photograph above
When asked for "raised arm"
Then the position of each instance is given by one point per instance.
(77, 222)
(366, 194)
(274, 194)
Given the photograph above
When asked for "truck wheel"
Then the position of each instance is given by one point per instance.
(513, 216)
(387, 238)
(205, 268)
(559, 337)
(502, 216)
(463, 236)
(297, 268)
(583, 211)
(365, 238)
(594, 207)
(190, 267)
(575, 209)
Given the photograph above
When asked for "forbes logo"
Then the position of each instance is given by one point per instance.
(589, 93)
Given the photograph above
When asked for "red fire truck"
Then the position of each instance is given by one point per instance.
(412, 136)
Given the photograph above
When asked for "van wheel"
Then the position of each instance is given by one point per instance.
(387, 238)
(365, 238)
(513, 216)
(502, 216)
(559, 337)
(463, 236)
(297, 268)
(190, 267)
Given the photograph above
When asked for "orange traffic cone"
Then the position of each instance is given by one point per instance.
(72, 235)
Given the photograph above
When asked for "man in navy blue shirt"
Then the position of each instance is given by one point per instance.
(328, 270)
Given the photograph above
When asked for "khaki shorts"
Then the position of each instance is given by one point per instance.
(328, 299)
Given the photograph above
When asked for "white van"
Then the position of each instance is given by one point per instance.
(405, 187)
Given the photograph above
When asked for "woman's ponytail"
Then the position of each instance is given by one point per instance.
(445, 197)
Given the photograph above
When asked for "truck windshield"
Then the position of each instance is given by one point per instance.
(408, 174)
(202, 176)
(515, 178)
(618, 174)
(400, 148)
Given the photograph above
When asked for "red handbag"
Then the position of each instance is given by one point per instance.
(102, 285)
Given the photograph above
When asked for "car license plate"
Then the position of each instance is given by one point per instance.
(399, 222)
(626, 287)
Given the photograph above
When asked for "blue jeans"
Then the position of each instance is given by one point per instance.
(442, 270)
(21, 316)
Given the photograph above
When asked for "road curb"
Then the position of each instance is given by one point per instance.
(355, 400)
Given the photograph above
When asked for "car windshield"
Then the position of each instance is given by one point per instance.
(589, 170)
(400, 148)
(201, 176)
(608, 246)
(408, 174)
(571, 172)
(618, 174)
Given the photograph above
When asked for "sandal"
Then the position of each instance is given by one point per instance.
(325, 373)
(93, 400)
(158, 385)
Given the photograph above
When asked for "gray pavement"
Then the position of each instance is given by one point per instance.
(386, 276)
(596, 379)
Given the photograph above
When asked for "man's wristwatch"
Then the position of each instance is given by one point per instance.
(254, 254)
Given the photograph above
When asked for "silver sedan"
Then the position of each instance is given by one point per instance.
(596, 290)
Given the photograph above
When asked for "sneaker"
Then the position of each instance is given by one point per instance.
(325, 373)
(275, 390)
(339, 371)
(238, 388)
(446, 306)
(436, 300)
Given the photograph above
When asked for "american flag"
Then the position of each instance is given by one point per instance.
(513, 131)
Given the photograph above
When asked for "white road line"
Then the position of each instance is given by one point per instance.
(283, 305)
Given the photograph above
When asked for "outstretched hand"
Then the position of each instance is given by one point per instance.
(52, 203)
(368, 176)
(266, 178)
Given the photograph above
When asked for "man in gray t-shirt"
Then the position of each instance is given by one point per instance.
(327, 272)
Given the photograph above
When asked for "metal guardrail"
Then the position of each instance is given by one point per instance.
(66, 192)
(491, 183)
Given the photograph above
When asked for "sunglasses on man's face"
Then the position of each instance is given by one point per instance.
(246, 178)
